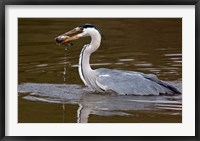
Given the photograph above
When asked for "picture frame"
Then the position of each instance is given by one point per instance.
(98, 2)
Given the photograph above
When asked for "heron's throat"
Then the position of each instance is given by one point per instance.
(85, 71)
(95, 42)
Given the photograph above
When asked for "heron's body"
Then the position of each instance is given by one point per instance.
(119, 81)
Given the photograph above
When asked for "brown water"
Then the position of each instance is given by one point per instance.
(51, 91)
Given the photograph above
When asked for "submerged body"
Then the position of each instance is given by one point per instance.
(118, 81)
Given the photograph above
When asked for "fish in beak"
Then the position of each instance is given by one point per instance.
(66, 39)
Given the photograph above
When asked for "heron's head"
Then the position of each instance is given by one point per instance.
(76, 33)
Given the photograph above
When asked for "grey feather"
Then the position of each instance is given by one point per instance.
(129, 82)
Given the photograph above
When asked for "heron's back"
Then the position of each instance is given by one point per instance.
(130, 82)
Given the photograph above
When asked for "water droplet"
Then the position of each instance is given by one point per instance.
(65, 64)
(64, 72)
(63, 107)
(70, 44)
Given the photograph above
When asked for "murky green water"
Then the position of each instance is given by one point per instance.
(51, 91)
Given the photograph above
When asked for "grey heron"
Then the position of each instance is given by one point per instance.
(119, 81)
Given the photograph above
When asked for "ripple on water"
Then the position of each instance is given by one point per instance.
(177, 54)
(98, 104)
(42, 65)
(143, 65)
(126, 60)
(119, 63)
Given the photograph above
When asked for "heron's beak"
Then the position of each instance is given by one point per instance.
(64, 38)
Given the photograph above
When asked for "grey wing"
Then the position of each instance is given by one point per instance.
(128, 82)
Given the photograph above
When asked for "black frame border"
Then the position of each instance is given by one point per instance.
(3, 4)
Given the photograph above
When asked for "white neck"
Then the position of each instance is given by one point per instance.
(85, 71)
